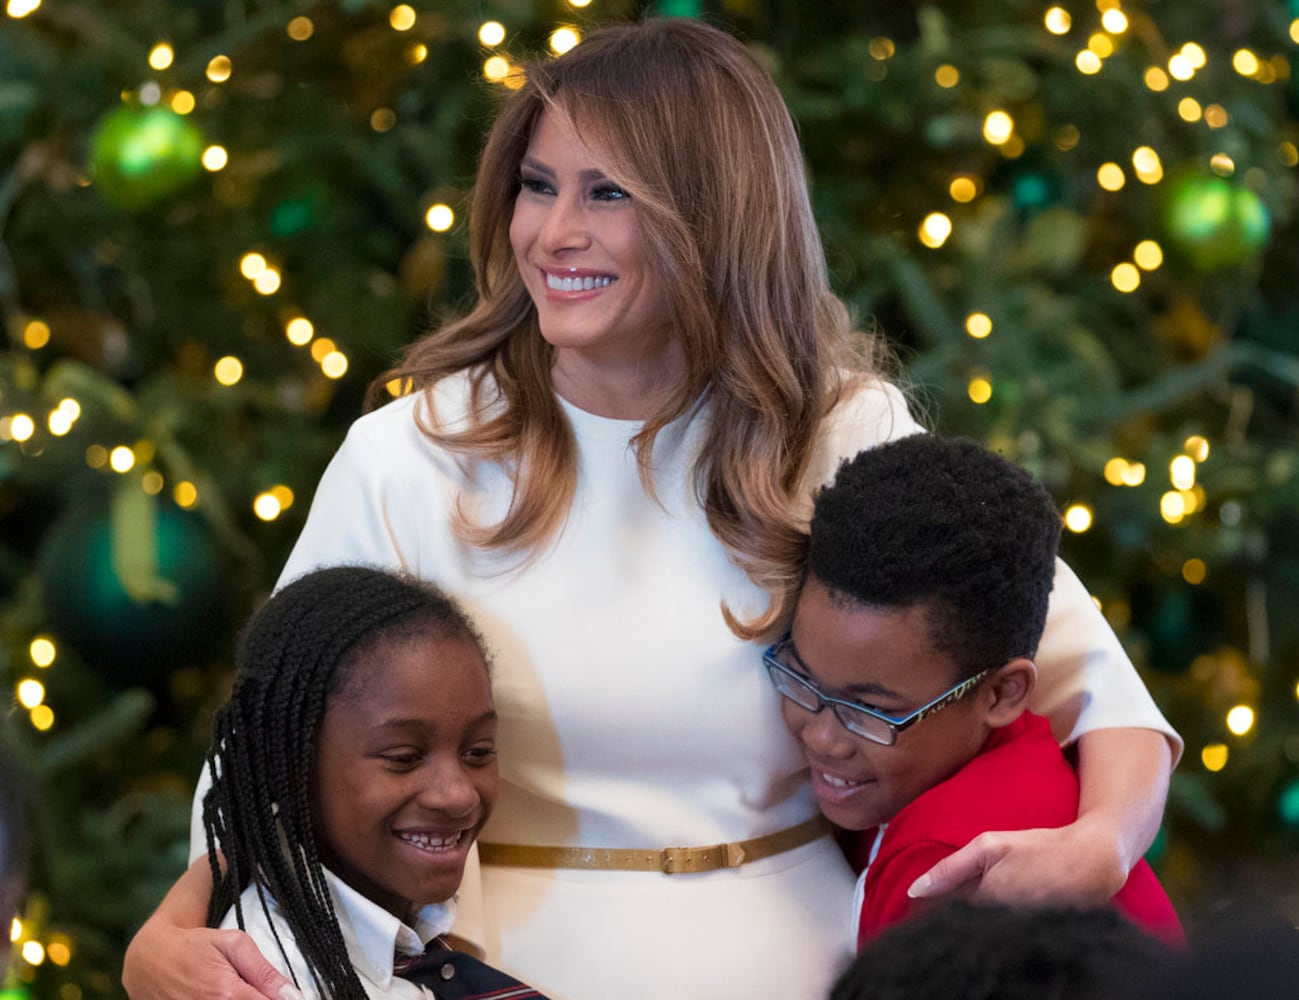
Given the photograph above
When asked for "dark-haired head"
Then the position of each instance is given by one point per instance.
(995, 952)
(947, 525)
(310, 643)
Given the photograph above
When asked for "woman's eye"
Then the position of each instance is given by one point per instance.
(609, 192)
(534, 185)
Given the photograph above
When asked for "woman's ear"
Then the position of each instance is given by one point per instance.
(1010, 685)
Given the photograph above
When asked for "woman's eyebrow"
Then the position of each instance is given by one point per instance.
(591, 174)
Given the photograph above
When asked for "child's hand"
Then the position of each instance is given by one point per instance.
(1070, 865)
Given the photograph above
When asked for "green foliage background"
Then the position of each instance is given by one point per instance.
(338, 144)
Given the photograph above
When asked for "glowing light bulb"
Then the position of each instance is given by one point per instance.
(491, 33)
(1057, 20)
(185, 494)
(1181, 472)
(1125, 277)
(121, 459)
(1078, 518)
(161, 56)
(1194, 571)
(36, 334)
(219, 69)
(1245, 62)
(228, 370)
(947, 76)
(1088, 62)
(563, 39)
(299, 331)
(1240, 720)
(963, 189)
(268, 282)
(1197, 446)
(266, 506)
(998, 127)
(30, 693)
(978, 325)
(300, 29)
(1148, 255)
(402, 17)
(1214, 756)
(1110, 176)
(935, 229)
(1156, 79)
(334, 364)
(21, 427)
(251, 265)
(439, 218)
(979, 389)
(42, 651)
(215, 158)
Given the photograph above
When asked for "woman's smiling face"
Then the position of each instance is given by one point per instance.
(577, 243)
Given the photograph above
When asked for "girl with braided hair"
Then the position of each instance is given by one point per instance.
(352, 768)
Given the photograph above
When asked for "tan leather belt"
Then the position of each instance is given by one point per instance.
(669, 860)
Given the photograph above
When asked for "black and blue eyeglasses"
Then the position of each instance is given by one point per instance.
(853, 716)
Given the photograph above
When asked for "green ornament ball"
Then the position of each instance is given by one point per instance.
(141, 156)
(132, 640)
(1287, 804)
(15, 993)
(1214, 222)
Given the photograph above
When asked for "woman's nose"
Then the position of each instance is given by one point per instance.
(565, 226)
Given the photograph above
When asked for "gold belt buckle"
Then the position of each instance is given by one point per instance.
(684, 860)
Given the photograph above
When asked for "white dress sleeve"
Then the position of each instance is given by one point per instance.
(1085, 679)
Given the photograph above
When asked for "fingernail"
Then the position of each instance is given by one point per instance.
(919, 888)
(288, 992)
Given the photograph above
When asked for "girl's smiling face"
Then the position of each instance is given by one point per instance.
(405, 772)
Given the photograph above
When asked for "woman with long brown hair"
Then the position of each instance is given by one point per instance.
(609, 461)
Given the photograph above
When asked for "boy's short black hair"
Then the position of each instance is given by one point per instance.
(996, 952)
(945, 523)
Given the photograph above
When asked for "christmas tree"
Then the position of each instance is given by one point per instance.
(220, 220)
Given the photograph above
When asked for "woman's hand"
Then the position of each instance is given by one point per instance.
(1074, 864)
(1123, 775)
(174, 957)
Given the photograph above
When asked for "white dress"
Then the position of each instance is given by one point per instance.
(631, 717)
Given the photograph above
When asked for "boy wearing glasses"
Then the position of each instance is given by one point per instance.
(908, 670)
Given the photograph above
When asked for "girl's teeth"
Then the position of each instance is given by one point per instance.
(558, 284)
(426, 843)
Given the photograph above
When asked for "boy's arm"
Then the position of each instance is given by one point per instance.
(174, 957)
(1123, 775)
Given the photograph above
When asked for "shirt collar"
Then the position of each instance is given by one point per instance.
(373, 935)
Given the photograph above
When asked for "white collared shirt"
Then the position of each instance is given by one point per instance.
(859, 894)
(371, 934)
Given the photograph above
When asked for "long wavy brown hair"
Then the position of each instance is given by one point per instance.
(696, 132)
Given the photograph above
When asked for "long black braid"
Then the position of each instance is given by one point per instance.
(294, 653)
